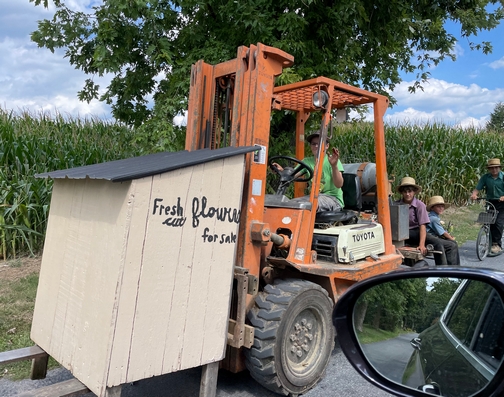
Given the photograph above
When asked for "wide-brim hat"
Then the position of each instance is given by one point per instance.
(493, 163)
(408, 181)
(435, 200)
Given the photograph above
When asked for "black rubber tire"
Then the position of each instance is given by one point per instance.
(483, 243)
(294, 336)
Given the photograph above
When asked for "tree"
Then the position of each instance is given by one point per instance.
(149, 46)
(391, 305)
(436, 300)
(497, 118)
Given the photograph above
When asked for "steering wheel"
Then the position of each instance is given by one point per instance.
(300, 172)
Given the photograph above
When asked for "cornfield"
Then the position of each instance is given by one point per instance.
(35, 144)
(444, 161)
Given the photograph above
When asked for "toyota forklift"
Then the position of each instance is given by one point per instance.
(291, 264)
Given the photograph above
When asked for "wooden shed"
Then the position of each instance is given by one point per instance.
(137, 266)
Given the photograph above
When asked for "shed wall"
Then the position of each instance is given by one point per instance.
(79, 274)
(129, 291)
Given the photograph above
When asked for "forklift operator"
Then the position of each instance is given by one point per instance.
(331, 195)
(331, 181)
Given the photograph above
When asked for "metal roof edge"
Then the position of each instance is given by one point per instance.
(142, 166)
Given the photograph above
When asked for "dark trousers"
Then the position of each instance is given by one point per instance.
(496, 228)
(449, 249)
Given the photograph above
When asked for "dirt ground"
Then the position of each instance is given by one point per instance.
(15, 269)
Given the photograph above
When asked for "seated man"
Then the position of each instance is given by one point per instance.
(418, 219)
(331, 195)
(436, 207)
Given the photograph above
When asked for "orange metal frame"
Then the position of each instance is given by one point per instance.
(250, 81)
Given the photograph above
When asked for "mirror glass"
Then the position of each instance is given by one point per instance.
(444, 336)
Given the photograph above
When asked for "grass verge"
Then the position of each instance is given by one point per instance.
(464, 223)
(18, 288)
(371, 335)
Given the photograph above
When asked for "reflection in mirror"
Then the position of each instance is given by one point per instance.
(444, 336)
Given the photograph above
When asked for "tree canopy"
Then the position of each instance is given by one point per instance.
(149, 46)
(497, 118)
(413, 304)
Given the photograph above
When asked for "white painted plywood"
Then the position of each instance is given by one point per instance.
(128, 291)
(78, 279)
(185, 279)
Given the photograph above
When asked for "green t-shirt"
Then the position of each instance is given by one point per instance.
(494, 188)
(326, 182)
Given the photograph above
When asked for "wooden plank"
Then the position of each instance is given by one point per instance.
(208, 385)
(25, 353)
(128, 282)
(187, 352)
(155, 295)
(113, 391)
(219, 261)
(68, 388)
(76, 294)
(39, 367)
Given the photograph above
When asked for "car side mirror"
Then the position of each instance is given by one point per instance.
(424, 332)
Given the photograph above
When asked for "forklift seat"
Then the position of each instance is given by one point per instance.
(352, 196)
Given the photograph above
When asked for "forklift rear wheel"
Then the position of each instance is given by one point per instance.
(293, 338)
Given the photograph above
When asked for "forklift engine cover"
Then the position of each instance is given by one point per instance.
(347, 244)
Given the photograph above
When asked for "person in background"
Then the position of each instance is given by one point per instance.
(493, 185)
(418, 219)
(436, 207)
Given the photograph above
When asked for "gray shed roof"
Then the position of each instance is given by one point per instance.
(142, 166)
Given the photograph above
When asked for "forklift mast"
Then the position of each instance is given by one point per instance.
(230, 104)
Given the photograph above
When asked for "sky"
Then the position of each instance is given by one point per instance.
(35, 80)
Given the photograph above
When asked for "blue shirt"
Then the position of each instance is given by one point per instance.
(434, 227)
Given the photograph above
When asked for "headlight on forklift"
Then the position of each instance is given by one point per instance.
(320, 98)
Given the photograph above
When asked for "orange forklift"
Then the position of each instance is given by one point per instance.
(291, 264)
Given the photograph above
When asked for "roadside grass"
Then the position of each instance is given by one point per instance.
(17, 300)
(463, 220)
(371, 335)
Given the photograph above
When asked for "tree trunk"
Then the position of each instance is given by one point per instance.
(360, 314)
(377, 317)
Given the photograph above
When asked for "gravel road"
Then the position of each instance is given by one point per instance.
(341, 379)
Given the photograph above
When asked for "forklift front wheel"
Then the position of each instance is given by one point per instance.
(294, 336)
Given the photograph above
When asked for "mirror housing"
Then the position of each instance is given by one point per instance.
(343, 320)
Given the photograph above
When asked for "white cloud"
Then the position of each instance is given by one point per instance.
(458, 50)
(497, 64)
(180, 119)
(417, 117)
(446, 102)
(34, 79)
(471, 122)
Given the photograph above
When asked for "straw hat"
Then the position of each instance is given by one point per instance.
(408, 181)
(435, 200)
(493, 163)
